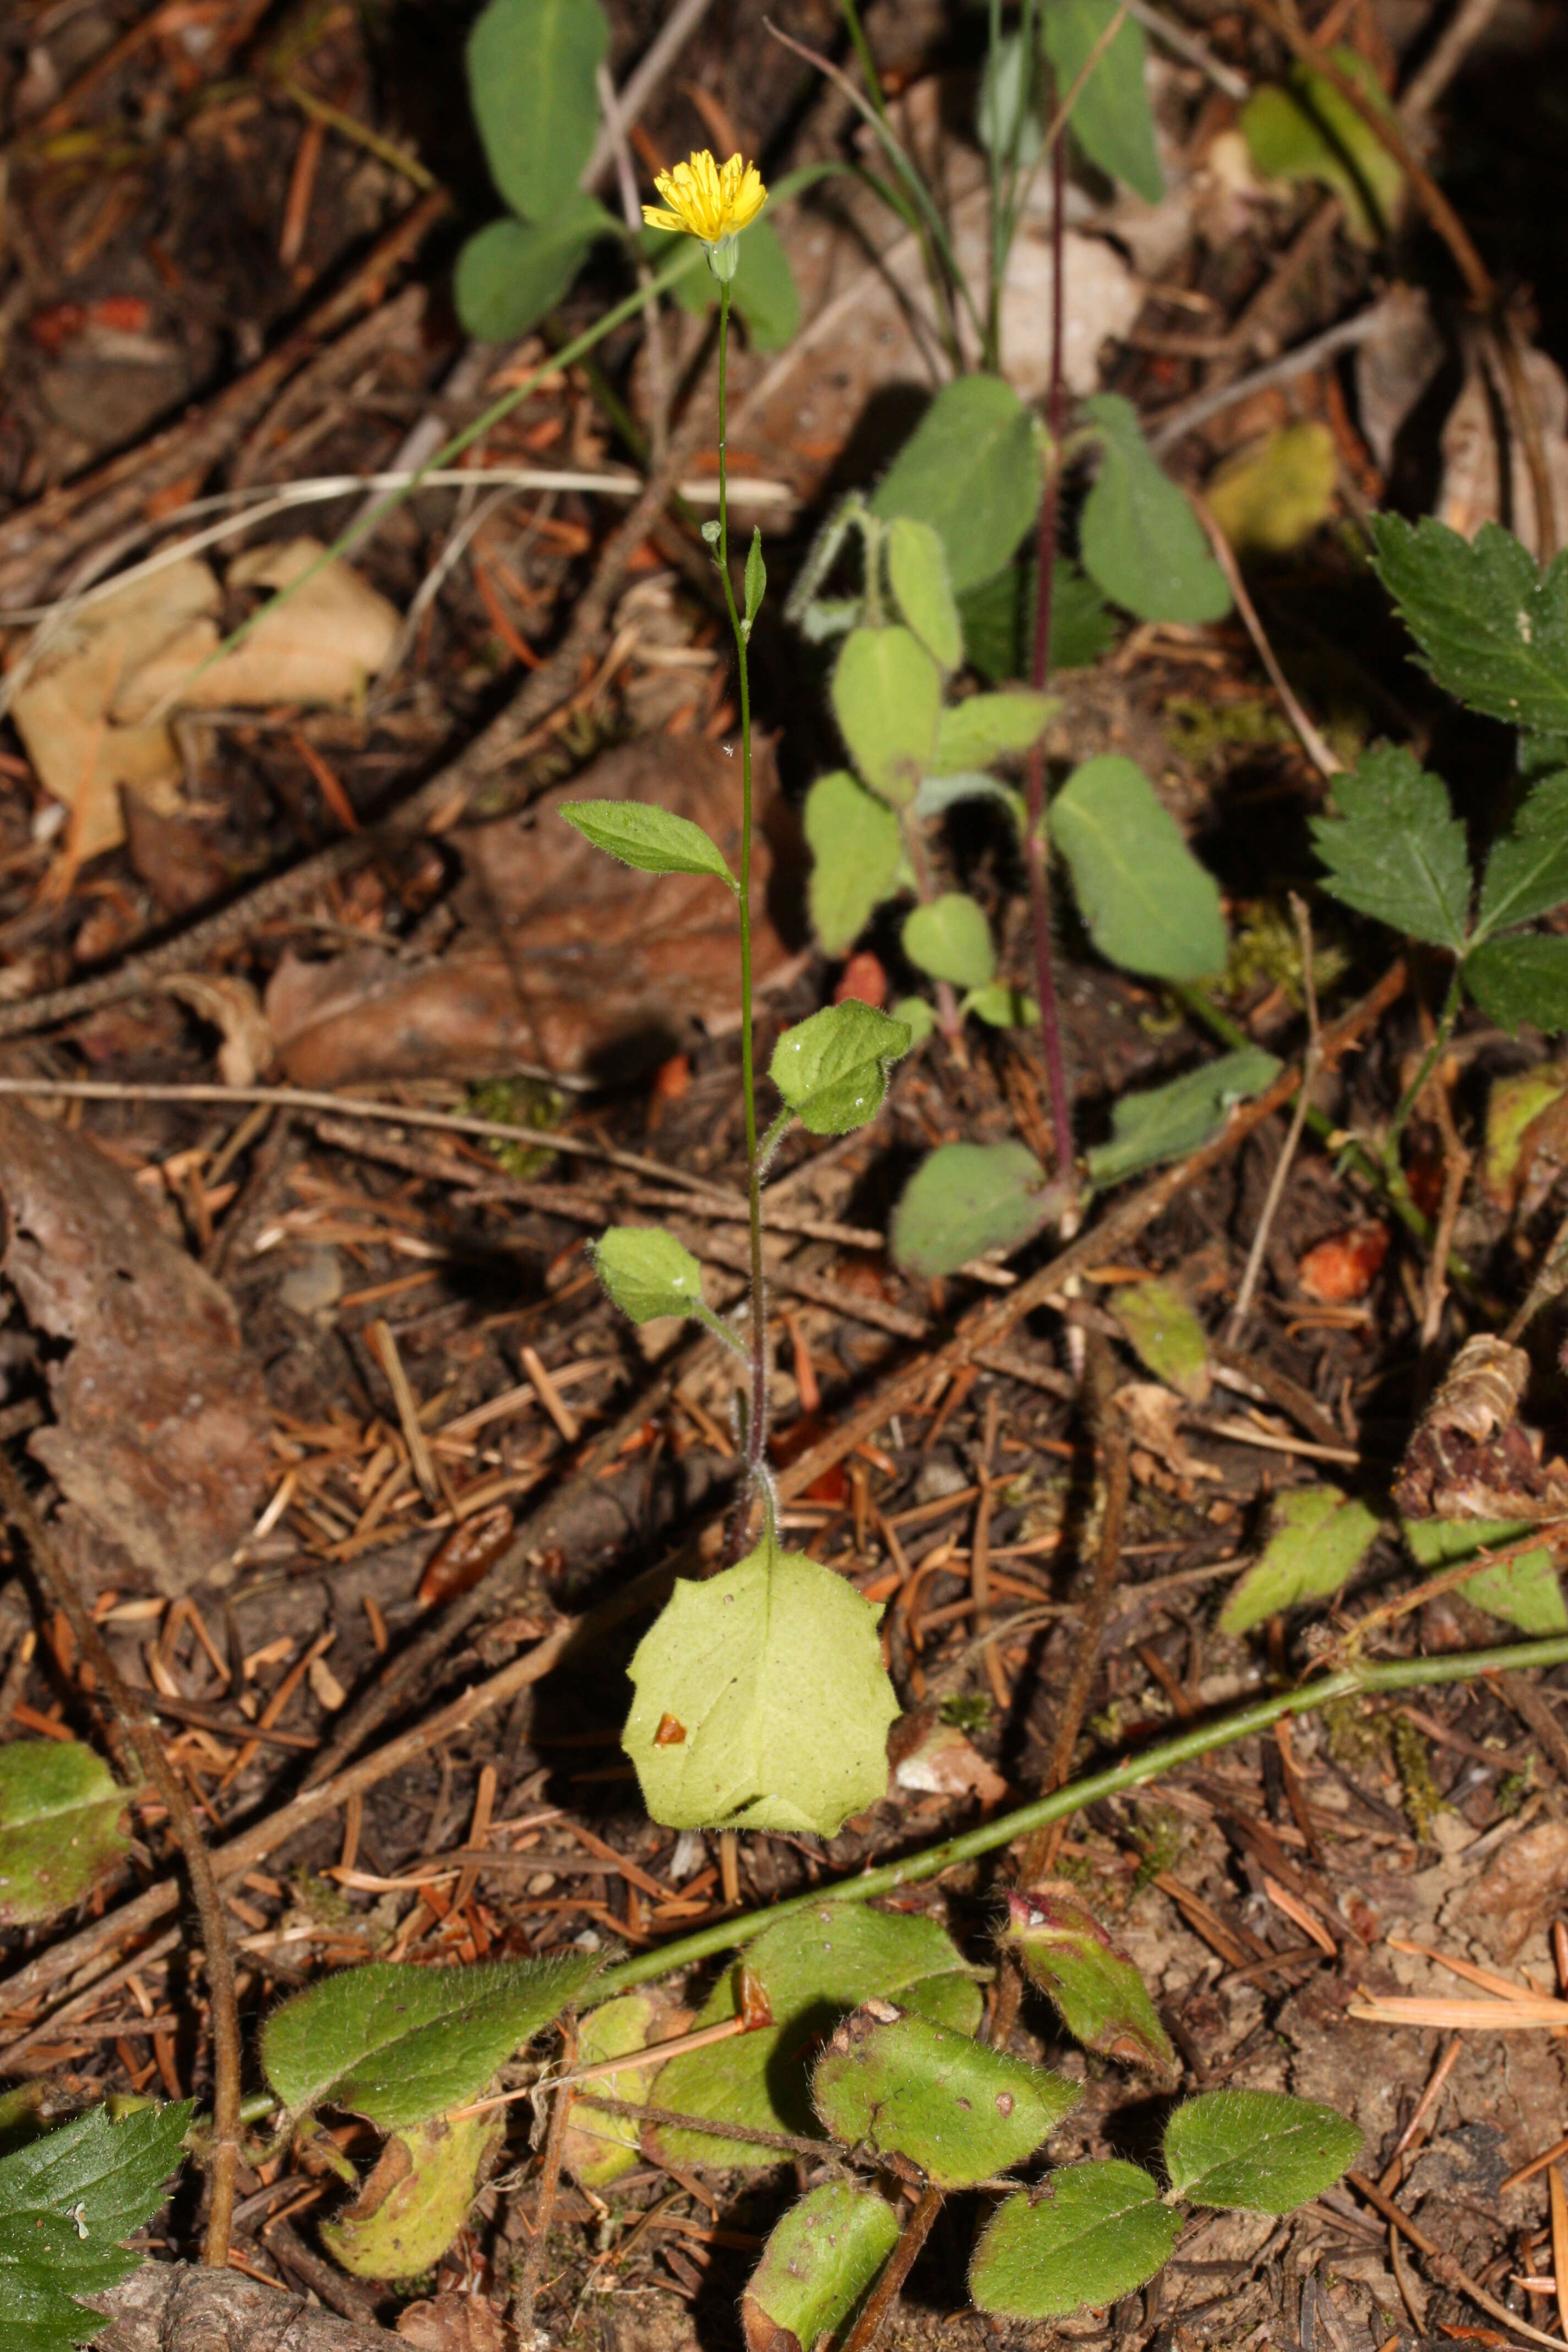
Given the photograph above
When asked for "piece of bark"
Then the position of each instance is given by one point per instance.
(175, 2308)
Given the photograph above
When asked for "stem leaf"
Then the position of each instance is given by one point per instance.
(855, 853)
(1146, 902)
(652, 839)
(648, 1273)
(1089, 2235)
(1395, 849)
(832, 1069)
(903, 2087)
(950, 938)
(886, 698)
(1257, 2151)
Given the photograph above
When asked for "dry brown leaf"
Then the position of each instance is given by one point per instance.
(1471, 492)
(1471, 1458)
(934, 1759)
(455, 2323)
(233, 1008)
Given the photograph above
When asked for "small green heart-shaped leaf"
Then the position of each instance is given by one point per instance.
(965, 1199)
(648, 1272)
(899, 2086)
(1319, 1538)
(1089, 2235)
(1167, 1334)
(950, 938)
(650, 838)
(832, 1069)
(818, 2265)
(886, 698)
(1257, 2151)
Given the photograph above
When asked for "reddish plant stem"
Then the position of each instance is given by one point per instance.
(900, 2262)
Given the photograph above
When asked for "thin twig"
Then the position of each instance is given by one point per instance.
(1325, 762)
(644, 80)
(1426, 85)
(1198, 53)
(549, 2184)
(900, 2263)
(61, 1588)
(1303, 360)
(1311, 1062)
(631, 212)
(1444, 2268)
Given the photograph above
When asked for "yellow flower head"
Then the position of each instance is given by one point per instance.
(707, 200)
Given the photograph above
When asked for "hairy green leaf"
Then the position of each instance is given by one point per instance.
(1319, 1538)
(971, 469)
(967, 1197)
(1166, 1121)
(531, 65)
(1103, 2001)
(1524, 1593)
(66, 2200)
(435, 2176)
(900, 2086)
(401, 2045)
(761, 1701)
(1110, 119)
(917, 1017)
(756, 579)
(1088, 2234)
(1257, 2151)
(648, 1273)
(1308, 131)
(1146, 902)
(513, 273)
(1492, 627)
(763, 292)
(600, 2145)
(832, 1068)
(986, 726)
(1167, 1334)
(1527, 873)
(886, 698)
(818, 2265)
(1139, 537)
(857, 857)
(950, 938)
(642, 835)
(1395, 850)
(998, 617)
(916, 574)
(61, 1827)
(1521, 979)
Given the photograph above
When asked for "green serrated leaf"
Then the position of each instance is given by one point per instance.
(1527, 873)
(817, 2266)
(531, 65)
(61, 1827)
(856, 855)
(1089, 2235)
(763, 292)
(1268, 500)
(967, 1197)
(1395, 850)
(639, 834)
(1103, 2001)
(1257, 2151)
(1110, 119)
(1166, 1121)
(1308, 131)
(430, 2174)
(998, 617)
(832, 1069)
(916, 574)
(1318, 1539)
(1146, 902)
(1524, 1593)
(986, 726)
(899, 2086)
(648, 1273)
(513, 273)
(756, 578)
(401, 2045)
(600, 2145)
(813, 1967)
(971, 470)
(1519, 980)
(886, 698)
(761, 1701)
(66, 2200)
(950, 938)
(1139, 537)
(1165, 1335)
(1492, 627)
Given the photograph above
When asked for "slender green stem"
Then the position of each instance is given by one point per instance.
(1350, 1682)
(862, 48)
(1418, 1087)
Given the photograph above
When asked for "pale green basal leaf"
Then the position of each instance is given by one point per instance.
(886, 698)
(813, 1967)
(427, 2204)
(61, 1827)
(1257, 2151)
(649, 837)
(756, 579)
(1395, 849)
(1102, 2000)
(1318, 1539)
(967, 1197)
(950, 938)
(971, 469)
(1139, 539)
(1006, 118)
(899, 2086)
(531, 65)
(1146, 902)
(917, 1017)
(599, 2145)
(1089, 2235)
(1164, 1122)
(1524, 1593)
(857, 857)
(1111, 120)
(987, 726)
(1519, 980)
(1001, 1007)
(400, 2044)
(513, 273)
(1308, 133)
(648, 1273)
(68, 2199)
(1527, 873)
(916, 574)
(1165, 1335)
(1492, 627)
(937, 794)
(1268, 500)
(761, 1701)
(832, 1069)
(818, 2265)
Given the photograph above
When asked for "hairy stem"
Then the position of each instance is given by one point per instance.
(1419, 1084)
(898, 2266)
